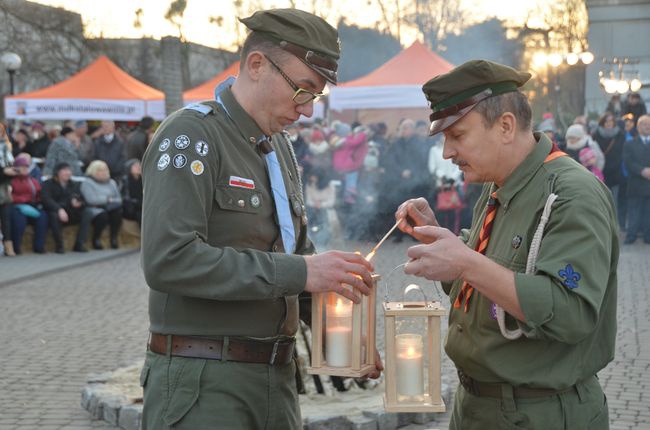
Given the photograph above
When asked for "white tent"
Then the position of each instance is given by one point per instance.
(396, 84)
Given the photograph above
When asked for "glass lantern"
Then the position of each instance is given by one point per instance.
(413, 365)
(346, 346)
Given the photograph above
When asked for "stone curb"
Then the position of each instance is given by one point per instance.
(104, 402)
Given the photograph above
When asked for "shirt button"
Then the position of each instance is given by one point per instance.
(459, 328)
(241, 203)
(275, 248)
(252, 139)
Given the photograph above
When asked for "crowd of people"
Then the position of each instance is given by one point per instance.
(608, 148)
(355, 175)
(53, 176)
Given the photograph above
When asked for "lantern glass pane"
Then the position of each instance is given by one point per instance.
(338, 331)
(411, 359)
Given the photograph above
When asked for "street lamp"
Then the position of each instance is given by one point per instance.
(618, 81)
(11, 62)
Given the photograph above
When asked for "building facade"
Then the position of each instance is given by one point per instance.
(617, 29)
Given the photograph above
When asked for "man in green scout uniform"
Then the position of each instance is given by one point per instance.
(224, 238)
(537, 368)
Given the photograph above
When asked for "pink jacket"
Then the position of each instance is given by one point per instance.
(349, 156)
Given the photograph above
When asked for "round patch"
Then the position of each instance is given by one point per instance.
(163, 161)
(180, 161)
(197, 167)
(182, 142)
(164, 145)
(255, 201)
(516, 242)
(201, 148)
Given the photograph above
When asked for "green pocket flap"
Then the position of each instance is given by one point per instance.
(184, 387)
(144, 374)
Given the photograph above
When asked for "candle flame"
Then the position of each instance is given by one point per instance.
(410, 352)
(339, 304)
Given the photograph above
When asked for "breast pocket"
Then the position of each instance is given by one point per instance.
(238, 199)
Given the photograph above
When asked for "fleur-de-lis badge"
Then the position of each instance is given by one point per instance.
(569, 277)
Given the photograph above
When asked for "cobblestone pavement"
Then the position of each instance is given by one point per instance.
(57, 329)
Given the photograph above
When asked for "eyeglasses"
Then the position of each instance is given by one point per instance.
(301, 96)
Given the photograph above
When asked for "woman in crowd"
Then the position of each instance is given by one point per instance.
(132, 191)
(22, 142)
(611, 138)
(577, 141)
(102, 196)
(7, 173)
(63, 149)
(27, 208)
(64, 206)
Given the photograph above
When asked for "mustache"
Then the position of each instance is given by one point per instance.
(458, 162)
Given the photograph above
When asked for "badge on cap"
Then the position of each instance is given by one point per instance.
(180, 161)
(197, 167)
(164, 145)
(236, 181)
(516, 241)
(255, 201)
(201, 148)
(163, 161)
(182, 142)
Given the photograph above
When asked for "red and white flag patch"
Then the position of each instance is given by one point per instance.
(236, 181)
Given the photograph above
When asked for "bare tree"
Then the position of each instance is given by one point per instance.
(175, 15)
(50, 42)
(434, 19)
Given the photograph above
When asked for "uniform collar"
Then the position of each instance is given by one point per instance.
(525, 171)
(247, 127)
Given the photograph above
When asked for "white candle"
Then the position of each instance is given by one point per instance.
(410, 380)
(338, 334)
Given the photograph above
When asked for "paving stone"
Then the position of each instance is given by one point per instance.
(363, 423)
(385, 420)
(91, 320)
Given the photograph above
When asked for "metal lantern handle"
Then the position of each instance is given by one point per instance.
(414, 287)
(409, 288)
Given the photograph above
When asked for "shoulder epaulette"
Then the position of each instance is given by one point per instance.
(199, 107)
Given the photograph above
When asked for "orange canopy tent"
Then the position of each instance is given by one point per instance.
(395, 84)
(100, 91)
(205, 91)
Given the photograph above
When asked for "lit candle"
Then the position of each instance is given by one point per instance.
(410, 381)
(338, 333)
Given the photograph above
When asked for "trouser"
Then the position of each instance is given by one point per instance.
(638, 218)
(82, 217)
(19, 223)
(191, 393)
(112, 218)
(5, 221)
(584, 407)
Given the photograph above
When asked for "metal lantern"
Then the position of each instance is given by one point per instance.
(413, 364)
(348, 333)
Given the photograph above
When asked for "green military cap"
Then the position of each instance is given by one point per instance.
(455, 93)
(307, 36)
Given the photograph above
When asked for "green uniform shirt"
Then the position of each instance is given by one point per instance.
(212, 251)
(569, 301)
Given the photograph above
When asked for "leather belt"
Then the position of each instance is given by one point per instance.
(483, 389)
(240, 350)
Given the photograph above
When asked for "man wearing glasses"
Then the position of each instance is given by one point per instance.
(224, 239)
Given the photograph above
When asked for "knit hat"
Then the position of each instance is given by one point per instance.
(576, 130)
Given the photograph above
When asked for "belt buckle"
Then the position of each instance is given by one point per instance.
(274, 353)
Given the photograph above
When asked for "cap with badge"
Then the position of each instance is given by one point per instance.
(307, 36)
(457, 92)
